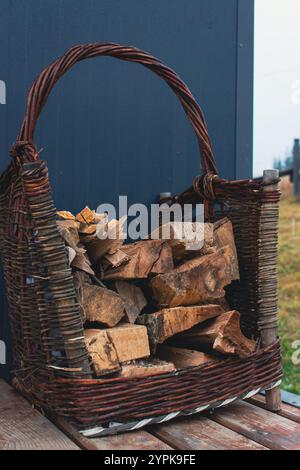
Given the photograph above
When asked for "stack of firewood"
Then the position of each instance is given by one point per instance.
(155, 305)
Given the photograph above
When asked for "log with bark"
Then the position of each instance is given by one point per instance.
(170, 321)
(222, 334)
(197, 280)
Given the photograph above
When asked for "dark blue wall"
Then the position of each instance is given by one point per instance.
(112, 127)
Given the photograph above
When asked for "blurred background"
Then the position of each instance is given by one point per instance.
(276, 126)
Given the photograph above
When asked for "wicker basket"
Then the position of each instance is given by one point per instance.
(44, 314)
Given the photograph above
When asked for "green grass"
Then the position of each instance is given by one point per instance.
(289, 289)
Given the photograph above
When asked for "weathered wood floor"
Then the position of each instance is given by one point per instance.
(243, 425)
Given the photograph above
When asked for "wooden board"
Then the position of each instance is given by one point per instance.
(200, 433)
(136, 440)
(288, 411)
(24, 428)
(262, 426)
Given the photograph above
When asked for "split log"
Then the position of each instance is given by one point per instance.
(114, 260)
(68, 230)
(87, 229)
(133, 298)
(130, 341)
(80, 280)
(109, 237)
(146, 368)
(86, 216)
(223, 234)
(66, 215)
(187, 239)
(222, 334)
(102, 305)
(71, 254)
(165, 262)
(170, 321)
(101, 351)
(82, 262)
(183, 358)
(195, 281)
(146, 257)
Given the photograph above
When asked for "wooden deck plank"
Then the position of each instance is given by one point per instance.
(287, 411)
(266, 428)
(136, 440)
(200, 433)
(24, 428)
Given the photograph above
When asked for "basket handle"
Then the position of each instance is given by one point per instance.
(44, 83)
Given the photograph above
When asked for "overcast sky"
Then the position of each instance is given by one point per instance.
(277, 80)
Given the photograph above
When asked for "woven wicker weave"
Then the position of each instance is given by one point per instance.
(44, 313)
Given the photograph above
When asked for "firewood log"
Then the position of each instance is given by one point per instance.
(130, 341)
(109, 237)
(111, 347)
(66, 215)
(222, 334)
(145, 257)
(101, 351)
(86, 216)
(82, 262)
(68, 230)
(223, 234)
(195, 281)
(102, 305)
(133, 298)
(114, 260)
(181, 237)
(170, 321)
(145, 368)
(183, 358)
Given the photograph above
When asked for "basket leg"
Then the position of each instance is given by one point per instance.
(273, 399)
(268, 279)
